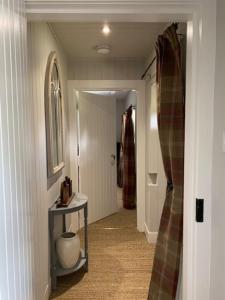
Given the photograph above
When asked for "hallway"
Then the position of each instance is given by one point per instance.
(120, 261)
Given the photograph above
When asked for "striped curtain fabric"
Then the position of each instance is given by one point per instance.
(120, 167)
(129, 168)
(171, 113)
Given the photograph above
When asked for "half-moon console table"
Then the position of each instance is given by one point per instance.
(79, 201)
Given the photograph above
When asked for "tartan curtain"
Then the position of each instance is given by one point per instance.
(120, 167)
(129, 169)
(171, 113)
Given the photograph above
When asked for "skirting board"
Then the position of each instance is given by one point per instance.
(47, 290)
(150, 236)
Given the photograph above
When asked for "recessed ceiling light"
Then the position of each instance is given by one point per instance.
(103, 49)
(106, 29)
(102, 92)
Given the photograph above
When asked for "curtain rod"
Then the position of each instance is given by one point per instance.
(154, 58)
(148, 67)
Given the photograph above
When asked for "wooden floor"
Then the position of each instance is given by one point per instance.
(120, 262)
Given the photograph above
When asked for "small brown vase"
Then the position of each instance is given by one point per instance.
(65, 193)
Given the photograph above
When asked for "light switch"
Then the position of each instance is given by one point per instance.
(223, 142)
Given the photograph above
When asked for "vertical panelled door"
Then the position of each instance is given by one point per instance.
(97, 144)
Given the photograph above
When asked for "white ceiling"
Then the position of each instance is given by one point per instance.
(127, 40)
(119, 94)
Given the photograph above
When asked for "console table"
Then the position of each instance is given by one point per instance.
(79, 201)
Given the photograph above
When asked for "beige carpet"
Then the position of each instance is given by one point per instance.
(120, 262)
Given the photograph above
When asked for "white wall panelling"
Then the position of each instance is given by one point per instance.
(120, 109)
(131, 99)
(73, 139)
(106, 69)
(17, 155)
(41, 43)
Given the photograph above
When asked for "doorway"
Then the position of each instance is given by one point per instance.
(142, 106)
(137, 88)
(101, 118)
(191, 14)
(126, 133)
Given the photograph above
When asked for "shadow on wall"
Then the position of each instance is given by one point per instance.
(52, 180)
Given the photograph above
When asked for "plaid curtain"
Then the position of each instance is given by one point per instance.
(120, 167)
(129, 169)
(171, 112)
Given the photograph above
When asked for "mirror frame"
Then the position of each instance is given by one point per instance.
(51, 168)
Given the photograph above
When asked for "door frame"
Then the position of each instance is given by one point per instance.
(139, 87)
(200, 16)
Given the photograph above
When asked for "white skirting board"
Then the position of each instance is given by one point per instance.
(150, 236)
(47, 290)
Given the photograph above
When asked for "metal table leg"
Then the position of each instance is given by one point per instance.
(52, 251)
(86, 236)
(64, 223)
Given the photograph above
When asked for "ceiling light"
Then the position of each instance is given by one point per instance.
(101, 92)
(103, 49)
(106, 29)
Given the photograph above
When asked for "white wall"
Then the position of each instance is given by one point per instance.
(41, 43)
(131, 99)
(218, 173)
(120, 109)
(155, 187)
(17, 152)
(110, 69)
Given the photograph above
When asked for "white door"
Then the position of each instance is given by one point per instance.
(97, 150)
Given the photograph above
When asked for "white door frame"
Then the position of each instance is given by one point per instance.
(139, 86)
(201, 18)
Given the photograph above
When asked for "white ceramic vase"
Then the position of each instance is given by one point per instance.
(68, 249)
